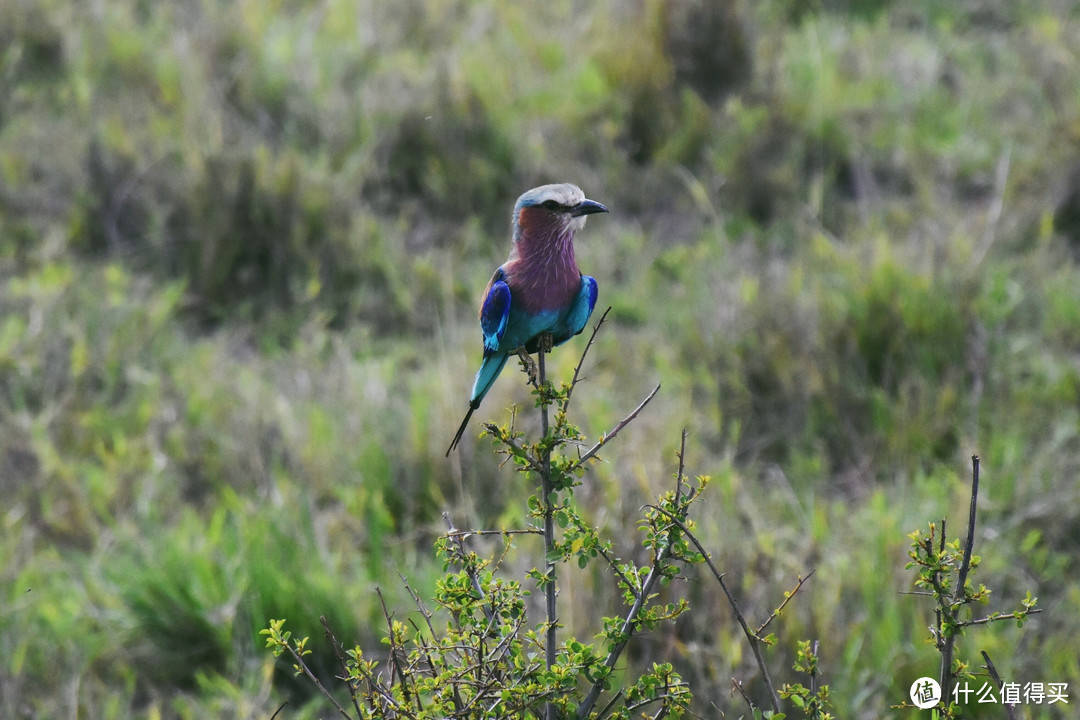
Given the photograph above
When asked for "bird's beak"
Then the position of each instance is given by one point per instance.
(587, 207)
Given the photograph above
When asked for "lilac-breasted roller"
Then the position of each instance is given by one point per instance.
(539, 289)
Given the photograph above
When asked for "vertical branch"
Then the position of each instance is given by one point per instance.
(549, 523)
(960, 593)
(939, 637)
(965, 564)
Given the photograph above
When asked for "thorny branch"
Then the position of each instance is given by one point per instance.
(641, 597)
(605, 439)
(755, 643)
(577, 370)
(961, 581)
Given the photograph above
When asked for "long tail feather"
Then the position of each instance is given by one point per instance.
(485, 378)
(461, 429)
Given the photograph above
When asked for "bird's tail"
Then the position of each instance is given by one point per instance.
(485, 378)
(461, 428)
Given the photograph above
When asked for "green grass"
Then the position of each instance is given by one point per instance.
(240, 251)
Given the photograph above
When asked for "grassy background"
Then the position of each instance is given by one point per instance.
(241, 246)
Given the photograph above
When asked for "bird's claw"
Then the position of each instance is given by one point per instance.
(529, 366)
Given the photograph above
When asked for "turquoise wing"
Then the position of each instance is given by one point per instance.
(582, 309)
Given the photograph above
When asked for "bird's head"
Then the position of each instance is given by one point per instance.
(551, 210)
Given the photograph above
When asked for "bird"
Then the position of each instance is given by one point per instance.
(538, 298)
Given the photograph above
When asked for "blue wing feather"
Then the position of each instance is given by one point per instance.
(582, 308)
(495, 312)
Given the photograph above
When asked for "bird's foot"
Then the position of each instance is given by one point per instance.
(546, 342)
(529, 365)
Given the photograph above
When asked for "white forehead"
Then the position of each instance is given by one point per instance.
(565, 194)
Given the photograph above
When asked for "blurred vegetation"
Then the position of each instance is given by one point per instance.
(241, 246)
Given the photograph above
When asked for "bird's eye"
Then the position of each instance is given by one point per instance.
(550, 205)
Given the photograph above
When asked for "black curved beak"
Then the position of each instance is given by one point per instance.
(587, 207)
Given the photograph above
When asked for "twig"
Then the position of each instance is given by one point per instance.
(627, 628)
(751, 638)
(508, 542)
(419, 604)
(1010, 709)
(385, 696)
(614, 431)
(455, 535)
(577, 370)
(735, 684)
(965, 564)
(682, 465)
(427, 652)
(776, 613)
(395, 662)
(532, 462)
(341, 663)
(995, 618)
(625, 631)
(611, 703)
(659, 696)
(618, 571)
(465, 534)
(318, 683)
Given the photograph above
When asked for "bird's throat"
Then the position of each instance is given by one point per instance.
(544, 273)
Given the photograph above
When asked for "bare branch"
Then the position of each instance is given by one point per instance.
(736, 685)
(577, 370)
(961, 578)
(419, 604)
(775, 613)
(395, 661)
(614, 431)
(750, 636)
(318, 683)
